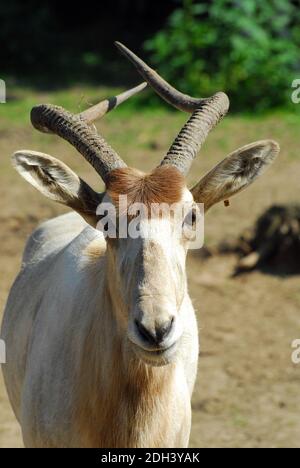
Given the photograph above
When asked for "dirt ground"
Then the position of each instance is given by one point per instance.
(248, 391)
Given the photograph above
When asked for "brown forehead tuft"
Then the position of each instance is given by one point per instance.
(165, 184)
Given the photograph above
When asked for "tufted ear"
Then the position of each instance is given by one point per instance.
(58, 182)
(235, 173)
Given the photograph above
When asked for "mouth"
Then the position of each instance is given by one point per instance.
(157, 357)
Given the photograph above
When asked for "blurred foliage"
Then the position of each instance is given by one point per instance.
(248, 48)
(52, 43)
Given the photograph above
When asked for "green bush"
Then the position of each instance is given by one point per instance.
(248, 48)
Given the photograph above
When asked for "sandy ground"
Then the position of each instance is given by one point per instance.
(248, 391)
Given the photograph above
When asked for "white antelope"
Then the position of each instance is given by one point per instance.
(101, 334)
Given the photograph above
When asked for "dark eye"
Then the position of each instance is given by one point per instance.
(191, 218)
(194, 216)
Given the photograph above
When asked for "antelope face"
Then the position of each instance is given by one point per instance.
(152, 283)
(149, 263)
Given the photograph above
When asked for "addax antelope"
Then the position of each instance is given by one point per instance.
(101, 334)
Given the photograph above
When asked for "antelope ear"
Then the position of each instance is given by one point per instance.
(235, 173)
(58, 182)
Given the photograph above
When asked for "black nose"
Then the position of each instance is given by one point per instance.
(155, 336)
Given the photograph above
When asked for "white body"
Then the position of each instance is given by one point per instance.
(71, 377)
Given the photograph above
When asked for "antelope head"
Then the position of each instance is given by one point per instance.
(147, 273)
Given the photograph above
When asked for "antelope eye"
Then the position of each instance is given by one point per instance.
(191, 218)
